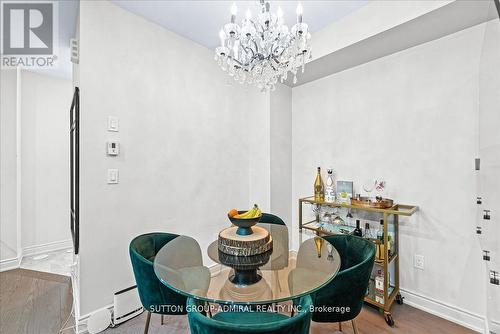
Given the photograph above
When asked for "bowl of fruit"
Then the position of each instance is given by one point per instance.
(245, 219)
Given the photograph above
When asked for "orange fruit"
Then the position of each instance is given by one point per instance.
(232, 212)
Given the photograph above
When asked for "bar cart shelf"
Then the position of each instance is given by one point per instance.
(387, 256)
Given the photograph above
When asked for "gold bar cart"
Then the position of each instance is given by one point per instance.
(384, 260)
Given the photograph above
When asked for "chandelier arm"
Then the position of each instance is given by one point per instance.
(237, 61)
(256, 47)
(254, 25)
(271, 63)
(248, 48)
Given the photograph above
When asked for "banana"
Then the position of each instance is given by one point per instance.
(258, 213)
(243, 215)
(252, 213)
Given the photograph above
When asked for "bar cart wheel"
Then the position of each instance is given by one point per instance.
(399, 299)
(388, 318)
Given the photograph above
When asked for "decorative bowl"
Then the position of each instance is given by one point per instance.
(244, 225)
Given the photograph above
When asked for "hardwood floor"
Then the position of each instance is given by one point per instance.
(33, 302)
(39, 303)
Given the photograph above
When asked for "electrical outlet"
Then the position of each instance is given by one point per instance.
(419, 261)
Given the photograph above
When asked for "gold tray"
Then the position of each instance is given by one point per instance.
(372, 202)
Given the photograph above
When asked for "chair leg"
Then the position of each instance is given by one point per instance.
(162, 319)
(340, 326)
(354, 326)
(148, 319)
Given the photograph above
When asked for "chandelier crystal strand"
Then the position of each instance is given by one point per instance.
(263, 50)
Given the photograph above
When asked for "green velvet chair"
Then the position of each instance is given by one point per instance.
(155, 296)
(348, 288)
(250, 322)
(279, 258)
(269, 218)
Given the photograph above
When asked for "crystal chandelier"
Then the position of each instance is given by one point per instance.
(262, 50)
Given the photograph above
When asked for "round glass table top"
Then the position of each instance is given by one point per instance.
(277, 275)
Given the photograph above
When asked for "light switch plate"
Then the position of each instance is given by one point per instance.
(113, 148)
(113, 176)
(113, 124)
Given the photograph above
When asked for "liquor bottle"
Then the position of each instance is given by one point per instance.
(380, 232)
(368, 232)
(319, 241)
(379, 287)
(357, 231)
(380, 253)
(330, 188)
(319, 187)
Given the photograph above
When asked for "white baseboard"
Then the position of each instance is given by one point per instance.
(9, 264)
(494, 327)
(48, 247)
(81, 327)
(452, 313)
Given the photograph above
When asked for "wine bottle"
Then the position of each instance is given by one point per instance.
(357, 231)
(329, 188)
(319, 188)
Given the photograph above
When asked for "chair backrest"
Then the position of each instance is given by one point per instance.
(154, 295)
(298, 324)
(279, 257)
(348, 288)
(269, 218)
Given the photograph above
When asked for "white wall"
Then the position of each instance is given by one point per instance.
(410, 118)
(281, 152)
(45, 160)
(193, 143)
(8, 168)
(489, 153)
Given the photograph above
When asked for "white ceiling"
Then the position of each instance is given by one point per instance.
(200, 21)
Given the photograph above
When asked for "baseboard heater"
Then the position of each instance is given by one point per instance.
(126, 304)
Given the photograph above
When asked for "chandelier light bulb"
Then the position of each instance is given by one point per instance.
(299, 9)
(248, 14)
(234, 11)
(279, 13)
(299, 12)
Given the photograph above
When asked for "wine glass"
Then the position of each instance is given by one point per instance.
(316, 209)
(380, 186)
(368, 186)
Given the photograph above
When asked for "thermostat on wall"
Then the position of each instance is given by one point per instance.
(113, 148)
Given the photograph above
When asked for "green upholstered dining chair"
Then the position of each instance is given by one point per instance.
(155, 296)
(250, 322)
(279, 258)
(269, 218)
(348, 288)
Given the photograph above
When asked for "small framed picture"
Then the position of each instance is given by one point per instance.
(344, 191)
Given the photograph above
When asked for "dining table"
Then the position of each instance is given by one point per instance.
(283, 273)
